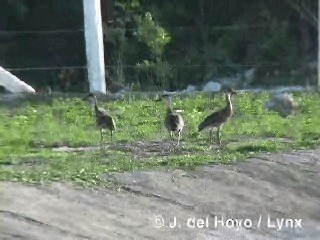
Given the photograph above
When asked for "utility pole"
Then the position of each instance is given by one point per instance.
(94, 45)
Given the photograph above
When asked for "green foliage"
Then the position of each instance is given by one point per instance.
(127, 5)
(154, 36)
(154, 74)
(155, 69)
(175, 43)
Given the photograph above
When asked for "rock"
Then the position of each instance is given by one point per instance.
(282, 103)
(212, 87)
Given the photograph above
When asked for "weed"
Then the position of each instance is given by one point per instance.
(28, 134)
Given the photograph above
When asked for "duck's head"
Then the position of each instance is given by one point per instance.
(91, 98)
(231, 91)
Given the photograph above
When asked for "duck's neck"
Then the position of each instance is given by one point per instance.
(229, 103)
(169, 109)
(95, 103)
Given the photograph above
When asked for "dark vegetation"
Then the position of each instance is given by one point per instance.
(163, 44)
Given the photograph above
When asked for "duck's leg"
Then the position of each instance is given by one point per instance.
(101, 139)
(210, 135)
(179, 135)
(218, 135)
(171, 135)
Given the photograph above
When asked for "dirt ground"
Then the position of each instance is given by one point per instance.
(269, 197)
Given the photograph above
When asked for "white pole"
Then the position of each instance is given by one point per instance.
(94, 45)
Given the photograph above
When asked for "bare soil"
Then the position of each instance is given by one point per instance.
(147, 149)
(138, 149)
(279, 186)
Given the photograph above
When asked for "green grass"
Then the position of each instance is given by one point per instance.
(28, 132)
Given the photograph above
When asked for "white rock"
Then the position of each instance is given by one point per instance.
(282, 103)
(190, 88)
(212, 87)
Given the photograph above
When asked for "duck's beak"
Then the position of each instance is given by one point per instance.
(87, 97)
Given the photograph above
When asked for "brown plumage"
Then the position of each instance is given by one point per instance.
(218, 118)
(173, 121)
(103, 119)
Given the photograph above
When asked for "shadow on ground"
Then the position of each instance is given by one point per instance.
(147, 149)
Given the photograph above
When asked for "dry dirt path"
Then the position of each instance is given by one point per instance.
(269, 187)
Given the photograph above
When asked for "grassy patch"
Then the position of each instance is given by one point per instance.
(29, 132)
